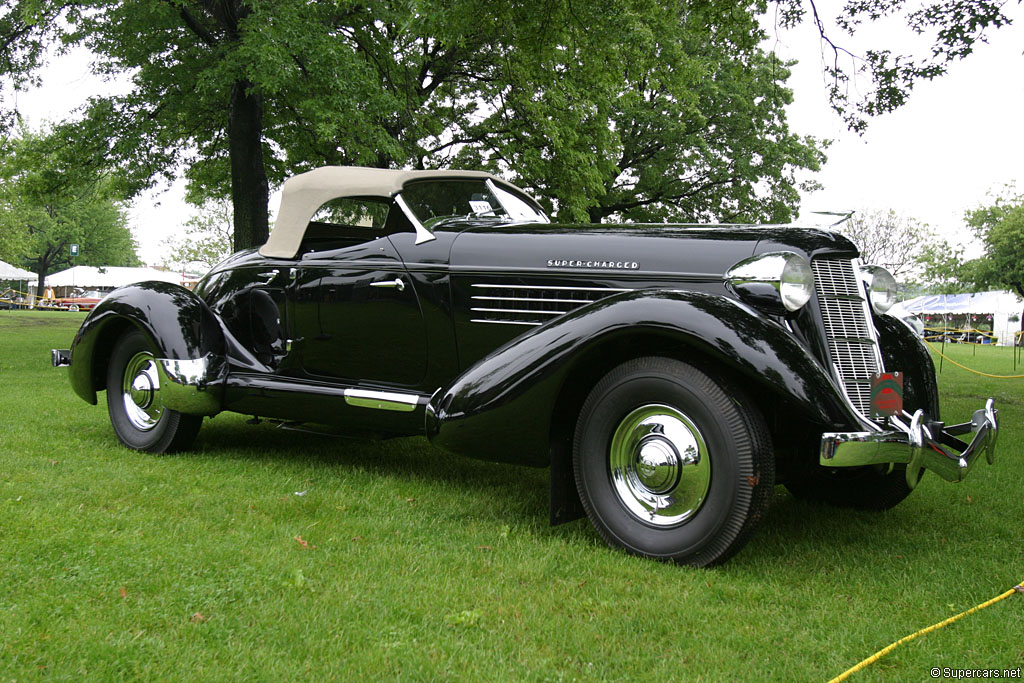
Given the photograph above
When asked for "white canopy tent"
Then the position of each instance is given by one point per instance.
(91, 277)
(13, 273)
(1000, 305)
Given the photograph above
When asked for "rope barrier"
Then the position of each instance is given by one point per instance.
(939, 333)
(964, 367)
(1019, 588)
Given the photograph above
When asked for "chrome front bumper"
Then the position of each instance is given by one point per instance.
(920, 444)
(193, 386)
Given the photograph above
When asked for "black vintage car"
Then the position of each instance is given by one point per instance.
(668, 375)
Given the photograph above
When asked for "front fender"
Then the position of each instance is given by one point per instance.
(182, 327)
(904, 351)
(501, 408)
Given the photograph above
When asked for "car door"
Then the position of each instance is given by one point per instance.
(368, 327)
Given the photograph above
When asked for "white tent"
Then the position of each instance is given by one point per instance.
(1000, 305)
(9, 272)
(91, 277)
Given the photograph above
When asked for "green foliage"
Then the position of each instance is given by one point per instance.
(657, 111)
(633, 109)
(48, 203)
(944, 269)
(1001, 229)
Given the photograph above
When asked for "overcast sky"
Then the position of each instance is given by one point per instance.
(958, 138)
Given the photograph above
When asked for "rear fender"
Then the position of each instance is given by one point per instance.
(184, 331)
(501, 408)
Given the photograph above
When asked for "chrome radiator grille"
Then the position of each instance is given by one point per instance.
(848, 328)
(530, 304)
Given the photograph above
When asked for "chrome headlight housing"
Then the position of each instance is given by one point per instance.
(778, 281)
(881, 287)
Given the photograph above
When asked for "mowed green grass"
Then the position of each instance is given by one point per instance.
(278, 555)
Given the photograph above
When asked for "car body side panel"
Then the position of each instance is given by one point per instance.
(501, 408)
(369, 323)
(179, 323)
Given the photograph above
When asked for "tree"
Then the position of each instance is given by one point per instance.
(944, 269)
(887, 239)
(682, 120)
(207, 240)
(953, 26)
(1000, 226)
(243, 93)
(49, 206)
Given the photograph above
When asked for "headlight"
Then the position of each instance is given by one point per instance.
(881, 287)
(779, 281)
(796, 283)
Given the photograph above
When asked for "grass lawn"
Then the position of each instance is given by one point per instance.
(279, 555)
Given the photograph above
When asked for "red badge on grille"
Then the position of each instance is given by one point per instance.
(886, 394)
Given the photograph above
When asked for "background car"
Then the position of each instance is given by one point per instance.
(84, 301)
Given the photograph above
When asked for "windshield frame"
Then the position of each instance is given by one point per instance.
(425, 234)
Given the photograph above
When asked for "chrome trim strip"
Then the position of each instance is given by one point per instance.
(422, 234)
(515, 310)
(504, 322)
(546, 308)
(610, 290)
(530, 299)
(642, 276)
(382, 400)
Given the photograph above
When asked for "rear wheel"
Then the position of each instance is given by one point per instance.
(137, 413)
(672, 464)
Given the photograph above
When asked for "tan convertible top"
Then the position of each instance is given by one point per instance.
(303, 194)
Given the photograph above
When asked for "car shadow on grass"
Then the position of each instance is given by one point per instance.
(925, 530)
(517, 489)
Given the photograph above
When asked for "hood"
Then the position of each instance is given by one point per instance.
(689, 250)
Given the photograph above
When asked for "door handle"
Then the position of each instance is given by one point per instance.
(396, 283)
(269, 275)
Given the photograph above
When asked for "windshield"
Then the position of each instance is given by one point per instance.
(434, 201)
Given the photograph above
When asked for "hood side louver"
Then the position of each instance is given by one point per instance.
(529, 304)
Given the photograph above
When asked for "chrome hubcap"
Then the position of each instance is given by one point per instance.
(659, 465)
(141, 392)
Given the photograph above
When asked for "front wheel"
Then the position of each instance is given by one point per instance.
(137, 413)
(672, 464)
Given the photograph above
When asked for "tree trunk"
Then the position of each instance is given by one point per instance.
(597, 213)
(41, 274)
(250, 191)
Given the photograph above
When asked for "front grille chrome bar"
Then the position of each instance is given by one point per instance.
(846, 316)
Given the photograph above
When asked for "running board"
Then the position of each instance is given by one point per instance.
(359, 397)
